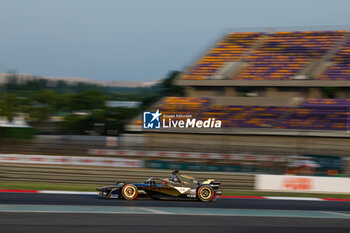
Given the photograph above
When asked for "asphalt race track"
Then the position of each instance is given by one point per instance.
(57, 199)
(29, 212)
(15, 222)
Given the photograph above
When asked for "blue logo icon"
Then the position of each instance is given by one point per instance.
(151, 120)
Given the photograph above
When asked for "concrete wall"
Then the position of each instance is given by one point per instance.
(271, 92)
(342, 93)
(204, 91)
(305, 184)
(81, 175)
(230, 92)
(314, 92)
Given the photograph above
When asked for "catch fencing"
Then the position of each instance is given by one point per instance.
(187, 155)
(70, 160)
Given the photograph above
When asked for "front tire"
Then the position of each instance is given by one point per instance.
(205, 193)
(129, 192)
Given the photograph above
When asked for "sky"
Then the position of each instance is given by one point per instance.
(137, 40)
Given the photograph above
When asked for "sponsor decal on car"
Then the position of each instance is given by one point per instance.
(182, 189)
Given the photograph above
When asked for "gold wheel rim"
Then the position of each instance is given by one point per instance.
(205, 193)
(129, 191)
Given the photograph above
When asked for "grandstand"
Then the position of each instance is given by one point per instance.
(232, 48)
(284, 54)
(311, 114)
(300, 63)
(339, 68)
(290, 84)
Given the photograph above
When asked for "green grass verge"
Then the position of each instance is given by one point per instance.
(69, 187)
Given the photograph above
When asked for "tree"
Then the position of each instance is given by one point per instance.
(8, 106)
(89, 99)
(47, 97)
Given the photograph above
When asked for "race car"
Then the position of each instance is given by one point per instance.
(178, 186)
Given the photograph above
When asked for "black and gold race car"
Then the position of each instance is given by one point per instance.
(178, 186)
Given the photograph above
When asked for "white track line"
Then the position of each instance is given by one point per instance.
(170, 213)
(154, 211)
(263, 197)
(67, 192)
(295, 198)
(336, 213)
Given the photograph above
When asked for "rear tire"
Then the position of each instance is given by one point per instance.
(205, 193)
(129, 192)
